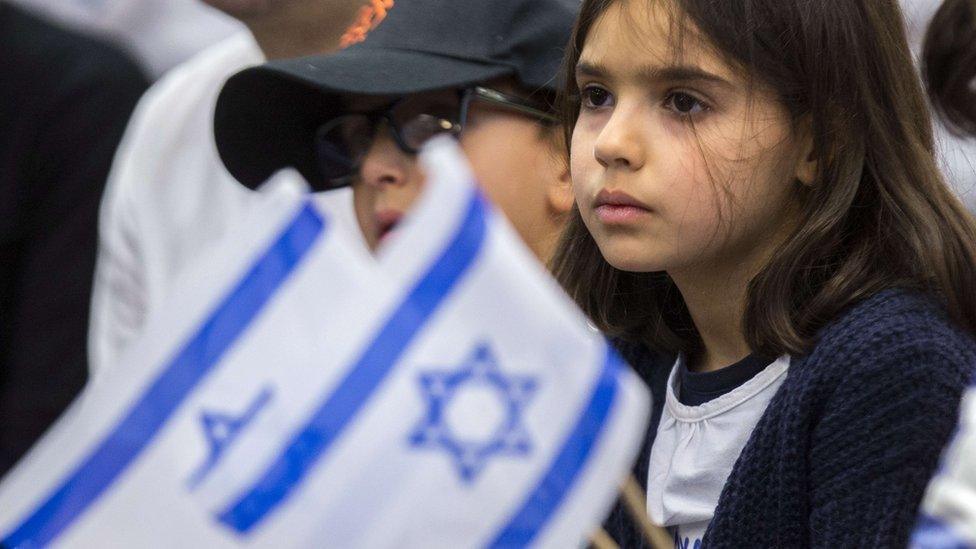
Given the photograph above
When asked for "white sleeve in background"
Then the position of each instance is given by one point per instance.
(118, 293)
(167, 197)
(169, 200)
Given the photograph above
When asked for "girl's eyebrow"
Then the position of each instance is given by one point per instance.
(584, 68)
(681, 73)
(670, 73)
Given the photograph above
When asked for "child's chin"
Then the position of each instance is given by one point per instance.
(631, 260)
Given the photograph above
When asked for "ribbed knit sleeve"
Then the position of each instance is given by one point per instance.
(881, 432)
(843, 454)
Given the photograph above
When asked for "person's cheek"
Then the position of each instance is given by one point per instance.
(488, 150)
(364, 200)
(581, 166)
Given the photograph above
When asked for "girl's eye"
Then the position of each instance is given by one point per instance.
(684, 104)
(595, 97)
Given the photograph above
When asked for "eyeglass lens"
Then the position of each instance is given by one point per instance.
(343, 142)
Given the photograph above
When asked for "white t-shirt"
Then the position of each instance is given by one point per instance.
(696, 447)
(169, 198)
(159, 33)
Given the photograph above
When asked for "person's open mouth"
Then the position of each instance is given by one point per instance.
(386, 223)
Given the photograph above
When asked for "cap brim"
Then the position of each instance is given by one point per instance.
(266, 117)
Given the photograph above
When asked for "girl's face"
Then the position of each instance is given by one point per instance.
(677, 161)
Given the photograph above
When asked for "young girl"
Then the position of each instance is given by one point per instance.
(760, 222)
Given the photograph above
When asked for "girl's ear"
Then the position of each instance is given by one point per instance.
(807, 161)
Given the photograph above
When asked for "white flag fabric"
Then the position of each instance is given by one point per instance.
(948, 518)
(298, 392)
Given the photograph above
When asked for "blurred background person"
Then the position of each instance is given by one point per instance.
(64, 103)
(160, 34)
(956, 152)
(357, 118)
(169, 198)
(948, 517)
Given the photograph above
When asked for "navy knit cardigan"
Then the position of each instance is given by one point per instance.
(844, 451)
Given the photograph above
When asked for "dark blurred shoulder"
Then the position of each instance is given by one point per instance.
(36, 55)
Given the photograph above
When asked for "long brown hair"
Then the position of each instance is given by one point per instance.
(877, 216)
(950, 64)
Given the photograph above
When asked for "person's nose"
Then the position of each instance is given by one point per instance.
(384, 164)
(620, 142)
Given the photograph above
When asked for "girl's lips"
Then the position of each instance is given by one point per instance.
(615, 207)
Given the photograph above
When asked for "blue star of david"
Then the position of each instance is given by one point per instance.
(508, 438)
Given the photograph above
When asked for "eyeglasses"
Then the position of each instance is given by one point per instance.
(342, 142)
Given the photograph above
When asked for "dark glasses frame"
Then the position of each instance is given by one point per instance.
(449, 127)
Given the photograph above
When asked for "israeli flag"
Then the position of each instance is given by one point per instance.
(298, 392)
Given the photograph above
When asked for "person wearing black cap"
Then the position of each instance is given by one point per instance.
(482, 71)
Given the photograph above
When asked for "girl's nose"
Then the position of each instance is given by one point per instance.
(619, 143)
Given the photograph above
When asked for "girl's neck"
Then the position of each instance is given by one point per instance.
(715, 293)
(716, 302)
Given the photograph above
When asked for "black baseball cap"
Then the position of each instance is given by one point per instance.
(266, 116)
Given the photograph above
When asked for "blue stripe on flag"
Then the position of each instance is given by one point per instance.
(931, 533)
(148, 415)
(340, 407)
(551, 491)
